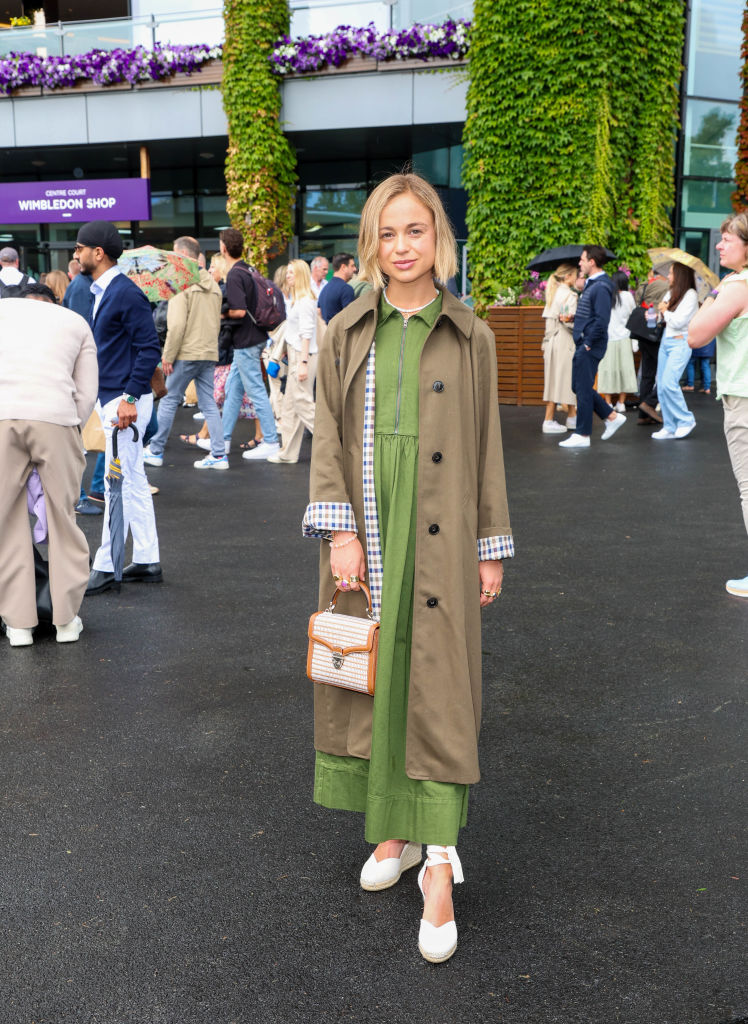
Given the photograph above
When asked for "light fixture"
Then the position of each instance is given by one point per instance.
(207, 156)
(77, 172)
(119, 159)
(38, 163)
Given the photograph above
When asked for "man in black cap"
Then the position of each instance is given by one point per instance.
(128, 353)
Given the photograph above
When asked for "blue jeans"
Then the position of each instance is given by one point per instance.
(671, 362)
(97, 480)
(583, 370)
(706, 371)
(185, 370)
(246, 375)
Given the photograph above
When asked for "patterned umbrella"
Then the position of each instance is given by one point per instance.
(160, 274)
(116, 515)
(706, 279)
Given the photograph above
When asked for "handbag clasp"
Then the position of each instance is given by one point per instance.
(337, 660)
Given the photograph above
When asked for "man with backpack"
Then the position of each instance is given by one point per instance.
(12, 281)
(253, 305)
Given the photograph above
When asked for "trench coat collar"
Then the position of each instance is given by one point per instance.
(368, 304)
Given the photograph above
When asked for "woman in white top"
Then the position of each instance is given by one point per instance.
(558, 347)
(301, 347)
(679, 306)
(616, 375)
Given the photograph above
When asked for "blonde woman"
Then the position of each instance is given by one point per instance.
(58, 281)
(297, 410)
(407, 485)
(558, 348)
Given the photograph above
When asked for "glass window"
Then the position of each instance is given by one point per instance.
(714, 50)
(705, 203)
(711, 150)
(433, 165)
(332, 212)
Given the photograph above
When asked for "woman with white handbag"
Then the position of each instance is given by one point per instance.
(407, 486)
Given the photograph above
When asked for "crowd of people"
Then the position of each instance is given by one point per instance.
(407, 489)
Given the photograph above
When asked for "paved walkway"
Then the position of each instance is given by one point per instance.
(163, 862)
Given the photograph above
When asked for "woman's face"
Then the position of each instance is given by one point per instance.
(407, 240)
(733, 252)
(215, 273)
(671, 276)
(290, 277)
(580, 279)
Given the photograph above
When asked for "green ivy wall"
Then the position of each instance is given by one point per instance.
(572, 113)
(260, 163)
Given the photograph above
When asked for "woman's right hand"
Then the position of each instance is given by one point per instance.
(347, 560)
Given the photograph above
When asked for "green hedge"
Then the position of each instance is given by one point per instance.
(572, 113)
(260, 163)
(740, 195)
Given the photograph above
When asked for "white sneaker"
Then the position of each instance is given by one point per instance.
(552, 427)
(19, 637)
(204, 443)
(198, 415)
(571, 422)
(150, 459)
(663, 435)
(612, 425)
(70, 632)
(210, 462)
(575, 441)
(737, 587)
(684, 431)
(261, 452)
(619, 407)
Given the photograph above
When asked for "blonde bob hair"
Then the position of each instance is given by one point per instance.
(302, 281)
(445, 263)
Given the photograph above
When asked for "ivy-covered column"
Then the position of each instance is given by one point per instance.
(569, 137)
(260, 164)
(740, 195)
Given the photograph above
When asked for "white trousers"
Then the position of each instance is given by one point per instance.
(736, 433)
(298, 405)
(137, 503)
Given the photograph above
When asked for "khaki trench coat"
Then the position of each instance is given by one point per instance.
(461, 488)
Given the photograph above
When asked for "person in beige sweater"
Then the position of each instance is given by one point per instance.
(191, 353)
(48, 388)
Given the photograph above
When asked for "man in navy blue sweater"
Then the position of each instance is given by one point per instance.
(337, 293)
(591, 340)
(128, 353)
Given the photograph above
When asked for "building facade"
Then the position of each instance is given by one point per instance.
(349, 128)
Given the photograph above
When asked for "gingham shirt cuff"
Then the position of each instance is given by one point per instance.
(490, 548)
(322, 517)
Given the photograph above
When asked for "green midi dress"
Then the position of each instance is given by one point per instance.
(396, 807)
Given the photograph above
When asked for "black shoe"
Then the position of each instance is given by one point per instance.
(88, 508)
(98, 582)
(96, 496)
(142, 573)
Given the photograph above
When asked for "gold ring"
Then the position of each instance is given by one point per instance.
(488, 593)
(336, 577)
(353, 579)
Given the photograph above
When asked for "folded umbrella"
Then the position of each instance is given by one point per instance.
(158, 273)
(116, 515)
(706, 279)
(547, 261)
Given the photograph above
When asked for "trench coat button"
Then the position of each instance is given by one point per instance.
(439, 322)
(436, 457)
(432, 602)
(434, 528)
(438, 386)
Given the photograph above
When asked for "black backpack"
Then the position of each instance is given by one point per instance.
(12, 291)
(270, 306)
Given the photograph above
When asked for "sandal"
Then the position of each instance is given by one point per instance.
(438, 944)
(190, 439)
(248, 446)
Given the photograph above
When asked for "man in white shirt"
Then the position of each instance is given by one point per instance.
(318, 268)
(12, 281)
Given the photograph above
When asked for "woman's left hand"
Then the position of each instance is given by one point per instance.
(303, 372)
(491, 576)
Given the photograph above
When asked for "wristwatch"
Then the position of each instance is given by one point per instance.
(130, 399)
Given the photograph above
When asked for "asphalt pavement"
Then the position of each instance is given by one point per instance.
(163, 862)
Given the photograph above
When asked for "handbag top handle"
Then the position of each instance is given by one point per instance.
(366, 592)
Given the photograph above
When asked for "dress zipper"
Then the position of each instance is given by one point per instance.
(400, 374)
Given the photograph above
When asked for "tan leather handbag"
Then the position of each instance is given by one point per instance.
(343, 648)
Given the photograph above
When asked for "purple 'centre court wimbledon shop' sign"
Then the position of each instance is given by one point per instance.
(58, 202)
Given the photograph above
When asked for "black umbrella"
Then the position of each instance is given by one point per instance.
(116, 515)
(547, 261)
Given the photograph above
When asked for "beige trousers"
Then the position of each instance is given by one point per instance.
(736, 432)
(57, 454)
(298, 406)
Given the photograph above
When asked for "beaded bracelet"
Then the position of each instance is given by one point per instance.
(349, 541)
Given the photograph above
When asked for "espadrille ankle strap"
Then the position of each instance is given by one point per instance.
(436, 855)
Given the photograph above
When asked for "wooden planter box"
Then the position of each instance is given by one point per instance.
(519, 334)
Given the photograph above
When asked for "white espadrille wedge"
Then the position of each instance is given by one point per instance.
(381, 874)
(438, 944)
